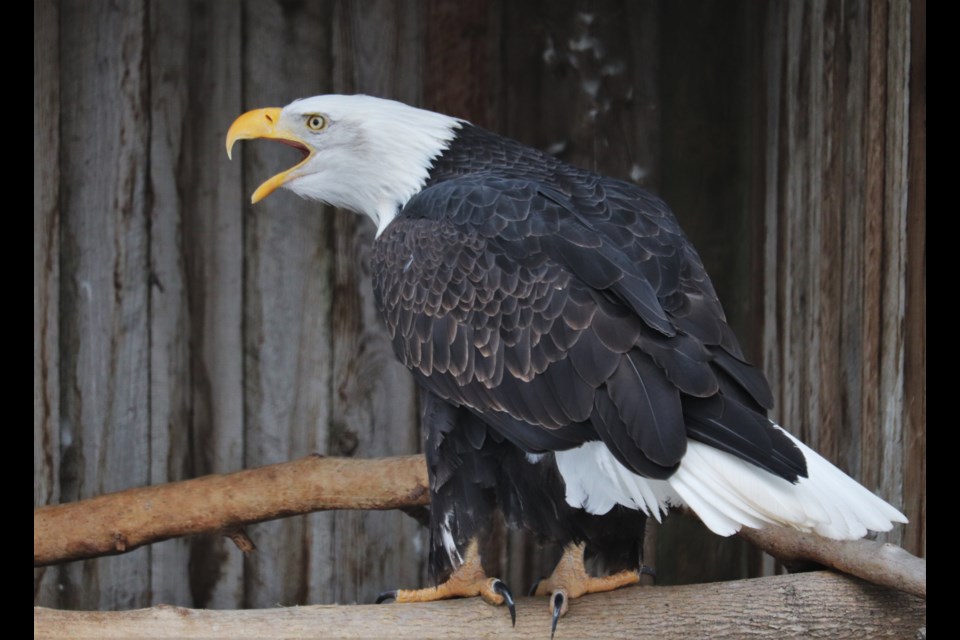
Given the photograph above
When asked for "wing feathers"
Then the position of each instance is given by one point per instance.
(649, 406)
(577, 318)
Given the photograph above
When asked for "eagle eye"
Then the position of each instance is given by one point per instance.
(316, 122)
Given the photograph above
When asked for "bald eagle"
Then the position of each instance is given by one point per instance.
(575, 365)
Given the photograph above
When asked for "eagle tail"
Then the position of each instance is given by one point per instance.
(727, 493)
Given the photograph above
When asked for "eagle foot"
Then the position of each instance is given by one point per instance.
(467, 581)
(571, 580)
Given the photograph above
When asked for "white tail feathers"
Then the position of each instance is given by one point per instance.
(728, 493)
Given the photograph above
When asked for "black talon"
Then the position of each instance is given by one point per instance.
(557, 606)
(533, 589)
(504, 591)
(387, 595)
(649, 571)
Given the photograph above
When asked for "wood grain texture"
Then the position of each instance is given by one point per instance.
(196, 277)
(286, 301)
(852, 47)
(810, 605)
(915, 367)
(896, 190)
(224, 503)
(171, 382)
(46, 270)
(378, 49)
(838, 262)
(105, 436)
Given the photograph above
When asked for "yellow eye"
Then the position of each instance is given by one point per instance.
(316, 122)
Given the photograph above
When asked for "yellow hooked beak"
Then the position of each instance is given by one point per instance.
(264, 123)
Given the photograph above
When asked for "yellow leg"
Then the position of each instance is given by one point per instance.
(467, 581)
(571, 580)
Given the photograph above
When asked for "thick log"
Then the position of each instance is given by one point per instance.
(817, 604)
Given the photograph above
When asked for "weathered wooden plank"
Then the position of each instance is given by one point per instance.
(46, 272)
(287, 299)
(196, 275)
(775, 35)
(791, 410)
(854, 53)
(769, 177)
(828, 249)
(871, 442)
(896, 190)
(104, 372)
(377, 50)
(915, 367)
(171, 383)
(840, 264)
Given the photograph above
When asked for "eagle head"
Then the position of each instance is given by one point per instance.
(361, 153)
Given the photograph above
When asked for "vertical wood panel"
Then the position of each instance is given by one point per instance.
(105, 363)
(896, 190)
(837, 209)
(827, 253)
(915, 392)
(46, 271)
(854, 41)
(196, 273)
(170, 377)
(377, 47)
(871, 465)
(286, 302)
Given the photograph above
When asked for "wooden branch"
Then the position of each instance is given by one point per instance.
(819, 604)
(879, 562)
(120, 522)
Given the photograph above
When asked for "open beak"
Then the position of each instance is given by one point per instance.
(264, 123)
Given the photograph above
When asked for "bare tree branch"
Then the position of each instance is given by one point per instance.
(120, 522)
(879, 562)
(815, 605)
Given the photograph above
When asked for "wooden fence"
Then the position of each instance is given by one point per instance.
(178, 331)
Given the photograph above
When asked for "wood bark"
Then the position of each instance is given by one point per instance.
(881, 563)
(124, 521)
(810, 605)
(120, 522)
(104, 256)
(46, 269)
(844, 256)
